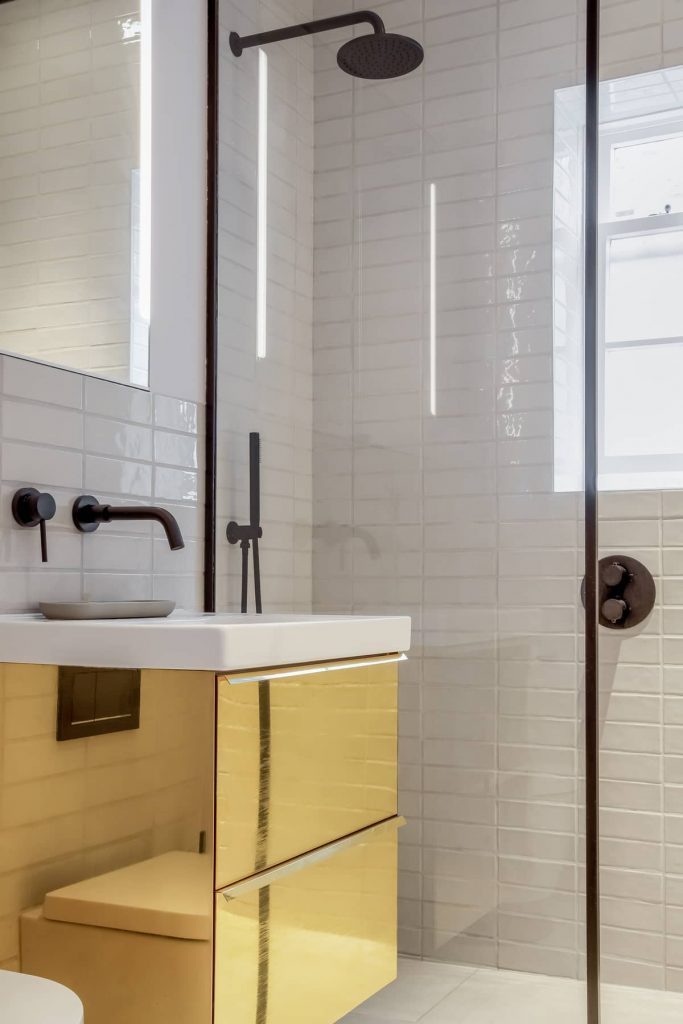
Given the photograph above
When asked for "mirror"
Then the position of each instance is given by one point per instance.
(75, 185)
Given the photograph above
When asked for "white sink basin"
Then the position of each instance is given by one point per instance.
(205, 642)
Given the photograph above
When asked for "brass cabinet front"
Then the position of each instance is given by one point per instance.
(309, 941)
(304, 756)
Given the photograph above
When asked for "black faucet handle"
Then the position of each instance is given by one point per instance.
(31, 507)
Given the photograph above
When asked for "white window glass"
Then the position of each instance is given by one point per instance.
(640, 282)
(646, 177)
(643, 408)
(644, 287)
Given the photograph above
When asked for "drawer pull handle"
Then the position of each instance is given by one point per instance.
(264, 878)
(292, 673)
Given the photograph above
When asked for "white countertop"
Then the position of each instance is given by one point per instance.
(204, 642)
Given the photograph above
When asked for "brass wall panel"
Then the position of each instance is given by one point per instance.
(301, 761)
(315, 943)
(70, 811)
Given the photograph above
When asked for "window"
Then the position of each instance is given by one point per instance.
(640, 290)
(641, 302)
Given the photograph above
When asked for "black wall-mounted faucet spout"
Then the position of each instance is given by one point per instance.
(88, 514)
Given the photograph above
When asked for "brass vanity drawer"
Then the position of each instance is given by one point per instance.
(304, 756)
(310, 940)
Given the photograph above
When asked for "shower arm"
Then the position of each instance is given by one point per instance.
(307, 28)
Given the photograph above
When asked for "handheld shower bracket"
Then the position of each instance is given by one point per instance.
(250, 535)
(237, 534)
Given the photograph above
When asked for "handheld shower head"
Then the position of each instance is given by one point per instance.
(379, 54)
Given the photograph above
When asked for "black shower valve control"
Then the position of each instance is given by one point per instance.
(33, 508)
(626, 592)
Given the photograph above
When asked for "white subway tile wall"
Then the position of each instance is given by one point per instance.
(452, 517)
(71, 435)
(69, 121)
(641, 824)
(272, 395)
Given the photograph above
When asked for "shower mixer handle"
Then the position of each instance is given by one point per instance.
(614, 609)
(30, 508)
(614, 575)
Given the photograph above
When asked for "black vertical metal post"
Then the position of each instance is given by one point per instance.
(210, 453)
(592, 691)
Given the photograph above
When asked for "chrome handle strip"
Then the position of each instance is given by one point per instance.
(290, 867)
(292, 673)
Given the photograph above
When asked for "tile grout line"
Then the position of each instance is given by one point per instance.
(461, 983)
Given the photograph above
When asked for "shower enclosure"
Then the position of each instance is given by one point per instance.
(447, 301)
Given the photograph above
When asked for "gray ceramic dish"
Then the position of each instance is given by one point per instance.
(106, 609)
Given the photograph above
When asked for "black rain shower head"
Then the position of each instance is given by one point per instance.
(379, 54)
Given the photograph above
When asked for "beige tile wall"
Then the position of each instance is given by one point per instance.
(450, 516)
(453, 517)
(274, 395)
(79, 808)
(642, 762)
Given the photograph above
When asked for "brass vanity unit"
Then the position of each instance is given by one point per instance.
(306, 844)
(281, 789)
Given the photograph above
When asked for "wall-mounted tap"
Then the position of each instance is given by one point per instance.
(88, 514)
(31, 508)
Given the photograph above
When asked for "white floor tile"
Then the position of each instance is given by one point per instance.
(621, 1005)
(420, 986)
(431, 993)
(491, 997)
